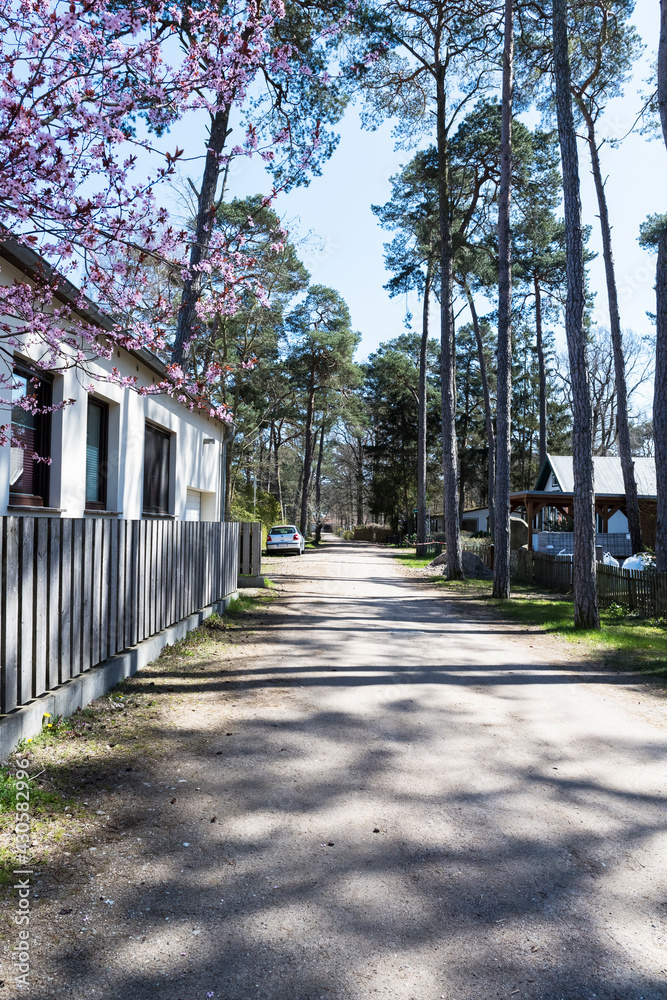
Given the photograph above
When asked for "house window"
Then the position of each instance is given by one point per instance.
(156, 471)
(96, 455)
(31, 436)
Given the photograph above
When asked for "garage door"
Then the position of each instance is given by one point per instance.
(193, 506)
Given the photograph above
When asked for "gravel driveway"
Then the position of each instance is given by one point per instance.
(381, 794)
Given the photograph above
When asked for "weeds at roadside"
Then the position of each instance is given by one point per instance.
(72, 760)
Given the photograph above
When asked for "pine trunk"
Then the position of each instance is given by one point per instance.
(421, 436)
(192, 286)
(624, 446)
(542, 367)
(360, 480)
(660, 406)
(307, 459)
(318, 490)
(586, 613)
(501, 537)
(451, 514)
(488, 412)
(662, 69)
(297, 495)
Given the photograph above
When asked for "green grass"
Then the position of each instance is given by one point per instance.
(409, 557)
(625, 641)
(238, 606)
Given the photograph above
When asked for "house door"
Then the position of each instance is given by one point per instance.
(193, 506)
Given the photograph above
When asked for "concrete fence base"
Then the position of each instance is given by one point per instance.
(79, 691)
(251, 581)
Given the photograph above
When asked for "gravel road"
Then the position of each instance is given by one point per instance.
(411, 800)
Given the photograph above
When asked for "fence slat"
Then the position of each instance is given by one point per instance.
(65, 623)
(41, 607)
(53, 612)
(10, 614)
(77, 597)
(112, 597)
(27, 607)
(87, 595)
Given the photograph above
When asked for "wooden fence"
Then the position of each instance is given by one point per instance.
(250, 563)
(638, 590)
(482, 549)
(644, 591)
(429, 548)
(76, 591)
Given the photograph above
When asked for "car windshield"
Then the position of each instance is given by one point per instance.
(283, 529)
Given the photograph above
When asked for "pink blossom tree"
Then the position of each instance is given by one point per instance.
(88, 92)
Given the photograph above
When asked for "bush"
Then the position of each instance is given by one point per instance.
(372, 532)
(266, 509)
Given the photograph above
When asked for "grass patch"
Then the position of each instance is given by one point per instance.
(409, 557)
(469, 586)
(624, 642)
(237, 606)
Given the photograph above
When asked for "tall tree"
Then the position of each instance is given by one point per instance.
(501, 537)
(604, 51)
(275, 82)
(392, 399)
(586, 614)
(319, 360)
(488, 409)
(443, 68)
(245, 346)
(539, 259)
(654, 236)
(412, 257)
(662, 69)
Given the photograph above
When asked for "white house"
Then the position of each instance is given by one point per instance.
(553, 497)
(113, 452)
(557, 476)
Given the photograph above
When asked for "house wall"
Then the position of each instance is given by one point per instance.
(618, 523)
(478, 514)
(196, 444)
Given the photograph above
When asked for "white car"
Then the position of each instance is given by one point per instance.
(640, 560)
(285, 538)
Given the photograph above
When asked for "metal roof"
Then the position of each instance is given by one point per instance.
(608, 474)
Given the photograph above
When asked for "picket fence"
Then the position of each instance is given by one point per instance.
(424, 549)
(644, 591)
(76, 591)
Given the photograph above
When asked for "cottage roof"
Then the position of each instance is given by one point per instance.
(608, 475)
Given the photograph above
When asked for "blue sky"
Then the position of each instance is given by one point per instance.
(346, 249)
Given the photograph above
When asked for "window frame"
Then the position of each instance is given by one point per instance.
(43, 443)
(155, 510)
(102, 469)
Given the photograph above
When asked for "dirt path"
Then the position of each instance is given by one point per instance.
(377, 794)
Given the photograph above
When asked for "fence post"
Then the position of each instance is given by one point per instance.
(256, 558)
(245, 548)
